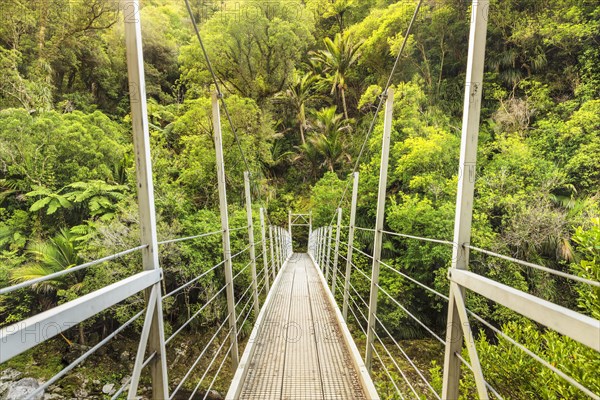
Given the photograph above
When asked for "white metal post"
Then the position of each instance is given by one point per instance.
(337, 250)
(147, 213)
(328, 261)
(290, 222)
(322, 247)
(264, 247)
(251, 240)
(383, 170)
(316, 243)
(277, 247)
(272, 246)
(216, 116)
(284, 244)
(350, 244)
(464, 200)
(285, 240)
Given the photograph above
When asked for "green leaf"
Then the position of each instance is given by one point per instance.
(54, 205)
(41, 203)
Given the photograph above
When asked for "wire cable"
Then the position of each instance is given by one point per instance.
(189, 371)
(216, 83)
(382, 98)
(186, 323)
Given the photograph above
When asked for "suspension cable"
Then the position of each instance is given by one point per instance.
(208, 344)
(382, 99)
(387, 372)
(83, 357)
(408, 358)
(128, 380)
(190, 237)
(411, 315)
(171, 293)
(398, 367)
(210, 366)
(186, 323)
(536, 266)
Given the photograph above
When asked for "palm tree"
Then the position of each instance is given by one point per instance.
(310, 154)
(54, 255)
(337, 9)
(299, 93)
(329, 141)
(338, 57)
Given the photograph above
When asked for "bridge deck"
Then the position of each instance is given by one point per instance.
(298, 348)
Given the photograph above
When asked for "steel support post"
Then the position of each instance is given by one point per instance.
(145, 188)
(464, 202)
(277, 247)
(251, 240)
(317, 244)
(350, 244)
(328, 261)
(264, 247)
(337, 250)
(290, 222)
(286, 244)
(216, 117)
(323, 242)
(272, 246)
(383, 170)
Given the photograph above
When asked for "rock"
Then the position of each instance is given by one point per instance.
(4, 387)
(96, 382)
(214, 395)
(108, 389)
(22, 389)
(81, 393)
(55, 389)
(10, 374)
(124, 379)
(125, 356)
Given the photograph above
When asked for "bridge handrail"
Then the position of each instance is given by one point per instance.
(439, 339)
(351, 297)
(535, 266)
(66, 271)
(490, 253)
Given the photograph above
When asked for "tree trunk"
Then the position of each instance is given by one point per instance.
(344, 103)
(81, 334)
(302, 133)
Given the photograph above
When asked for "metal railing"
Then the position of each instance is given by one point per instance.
(568, 323)
(352, 300)
(18, 338)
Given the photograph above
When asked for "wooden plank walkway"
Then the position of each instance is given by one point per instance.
(298, 349)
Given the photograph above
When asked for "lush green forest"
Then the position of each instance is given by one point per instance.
(302, 80)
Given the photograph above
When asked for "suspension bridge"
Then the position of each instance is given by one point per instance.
(314, 336)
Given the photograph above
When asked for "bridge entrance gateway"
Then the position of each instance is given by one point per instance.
(307, 313)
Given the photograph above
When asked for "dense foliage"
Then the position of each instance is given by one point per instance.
(301, 81)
